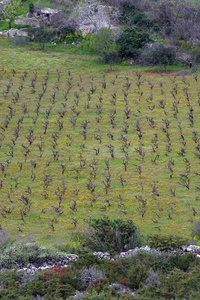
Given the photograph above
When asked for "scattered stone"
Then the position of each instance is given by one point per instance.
(192, 248)
(14, 32)
(102, 255)
(131, 252)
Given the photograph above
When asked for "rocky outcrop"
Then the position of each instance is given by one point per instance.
(101, 19)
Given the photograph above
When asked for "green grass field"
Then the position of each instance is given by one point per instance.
(115, 143)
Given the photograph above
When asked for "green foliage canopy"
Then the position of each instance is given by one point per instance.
(103, 43)
(159, 54)
(113, 235)
(130, 40)
(11, 10)
(104, 40)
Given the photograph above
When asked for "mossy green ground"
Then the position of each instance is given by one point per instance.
(130, 194)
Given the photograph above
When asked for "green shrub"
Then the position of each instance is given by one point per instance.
(173, 281)
(183, 261)
(190, 288)
(130, 40)
(65, 31)
(104, 40)
(151, 293)
(48, 285)
(8, 278)
(113, 236)
(164, 242)
(41, 35)
(142, 19)
(87, 259)
(23, 253)
(73, 37)
(109, 57)
(153, 260)
(136, 275)
(63, 291)
(127, 12)
(158, 54)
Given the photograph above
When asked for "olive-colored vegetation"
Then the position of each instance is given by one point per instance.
(146, 275)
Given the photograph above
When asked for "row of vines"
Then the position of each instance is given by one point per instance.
(74, 146)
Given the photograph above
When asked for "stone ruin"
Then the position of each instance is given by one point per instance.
(45, 17)
(40, 18)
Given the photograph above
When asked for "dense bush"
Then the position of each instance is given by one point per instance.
(150, 275)
(64, 31)
(109, 57)
(164, 242)
(136, 275)
(127, 12)
(158, 54)
(142, 19)
(130, 40)
(104, 40)
(23, 253)
(130, 15)
(87, 259)
(112, 235)
(183, 262)
(41, 35)
(49, 289)
(154, 261)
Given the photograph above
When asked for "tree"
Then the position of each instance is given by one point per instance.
(172, 16)
(104, 40)
(113, 236)
(159, 54)
(130, 40)
(109, 57)
(11, 10)
(86, 10)
(103, 43)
